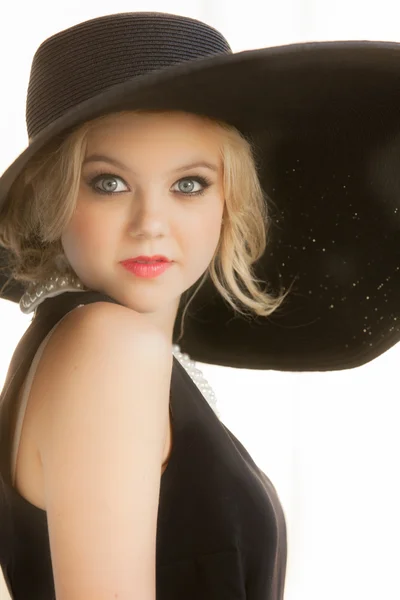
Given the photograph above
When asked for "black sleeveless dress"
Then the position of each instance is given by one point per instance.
(221, 531)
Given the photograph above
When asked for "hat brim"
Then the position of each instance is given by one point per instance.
(325, 123)
(269, 87)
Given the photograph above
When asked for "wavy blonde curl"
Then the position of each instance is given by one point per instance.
(43, 198)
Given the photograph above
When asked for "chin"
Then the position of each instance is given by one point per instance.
(142, 303)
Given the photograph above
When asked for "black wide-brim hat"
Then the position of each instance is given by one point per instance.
(324, 118)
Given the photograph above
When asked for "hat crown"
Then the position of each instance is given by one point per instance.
(84, 60)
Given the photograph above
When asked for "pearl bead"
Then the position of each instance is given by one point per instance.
(57, 284)
(197, 376)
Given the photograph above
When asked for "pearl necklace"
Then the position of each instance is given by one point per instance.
(58, 284)
(197, 376)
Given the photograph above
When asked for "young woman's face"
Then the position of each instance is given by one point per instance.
(157, 204)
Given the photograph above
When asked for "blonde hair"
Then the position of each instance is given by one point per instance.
(43, 198)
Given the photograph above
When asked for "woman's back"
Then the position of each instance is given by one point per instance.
(99, 419)
(220, 528)
(26, 468)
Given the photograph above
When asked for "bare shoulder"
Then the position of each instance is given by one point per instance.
(100, 328)
(100, 339)
(108, 319)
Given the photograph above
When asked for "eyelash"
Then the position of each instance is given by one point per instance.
(204, 181)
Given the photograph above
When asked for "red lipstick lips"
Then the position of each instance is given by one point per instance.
(147, 266)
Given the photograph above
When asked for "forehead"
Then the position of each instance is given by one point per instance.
(164, 136)
(180, 125)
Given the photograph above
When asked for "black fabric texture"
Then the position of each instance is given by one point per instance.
(221, 530)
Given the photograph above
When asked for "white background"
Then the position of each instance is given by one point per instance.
(328, 441)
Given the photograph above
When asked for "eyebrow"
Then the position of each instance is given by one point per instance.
(117, 163)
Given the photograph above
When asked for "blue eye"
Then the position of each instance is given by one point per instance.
(186, 185)
(104, 176)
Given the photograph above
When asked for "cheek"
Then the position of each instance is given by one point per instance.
(86, 235)
(214, 223)
(206, 234)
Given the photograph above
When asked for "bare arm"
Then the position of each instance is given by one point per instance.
(103, 423)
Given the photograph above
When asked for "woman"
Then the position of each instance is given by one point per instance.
(144, 159)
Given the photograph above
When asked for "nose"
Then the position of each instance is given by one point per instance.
(149, 216)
